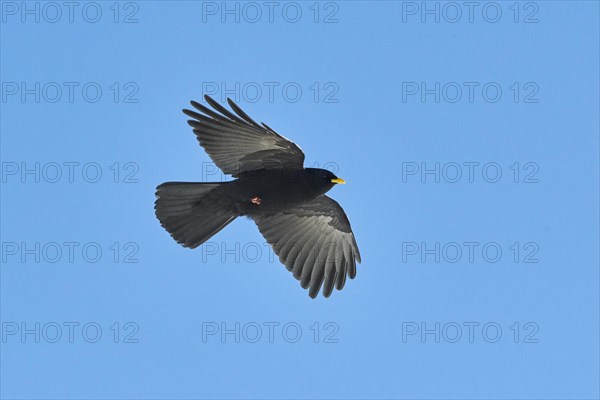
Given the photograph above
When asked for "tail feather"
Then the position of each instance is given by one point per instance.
(191, 212)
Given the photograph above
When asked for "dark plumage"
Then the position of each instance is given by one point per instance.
(307, 230)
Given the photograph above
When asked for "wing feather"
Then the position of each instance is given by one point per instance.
(236, 143)
(315, 242)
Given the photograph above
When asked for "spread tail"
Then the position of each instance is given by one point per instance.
(190, 212)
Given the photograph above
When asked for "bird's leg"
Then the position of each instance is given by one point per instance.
(255, 200)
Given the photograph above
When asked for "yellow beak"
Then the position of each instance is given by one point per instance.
(338, 180)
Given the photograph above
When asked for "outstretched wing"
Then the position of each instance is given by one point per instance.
(315, 242)
(236, 143)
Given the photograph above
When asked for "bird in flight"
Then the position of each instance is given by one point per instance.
(308, 230)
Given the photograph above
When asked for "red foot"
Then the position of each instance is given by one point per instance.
(255, 200)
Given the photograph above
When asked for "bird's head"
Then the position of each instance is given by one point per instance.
(322, 180)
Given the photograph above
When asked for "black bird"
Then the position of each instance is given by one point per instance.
(307, 230)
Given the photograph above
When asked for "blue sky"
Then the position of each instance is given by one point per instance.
(469, 141)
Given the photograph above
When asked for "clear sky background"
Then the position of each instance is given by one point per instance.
(469, 141)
